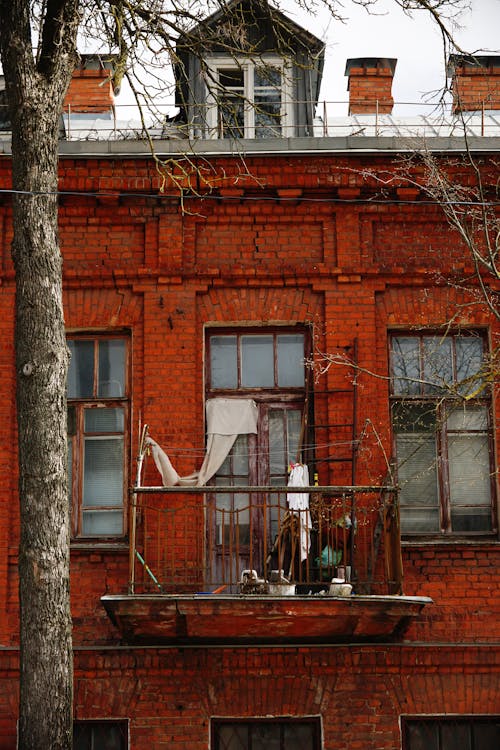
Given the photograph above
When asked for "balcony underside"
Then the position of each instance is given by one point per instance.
(216, 619)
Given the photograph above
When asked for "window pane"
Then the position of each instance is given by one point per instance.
(239, 457)
(257, 362)
(111, 368)
(486, 735)
(438, 367)
(468, 419)
(277, 457)
(231, 78)
(223, 362)
(267, 76)
(455, 735)
(103, 472)
(469, 468)
(102, 523)
(81, 369)
(232, 737)
(266, 737)
(417, 476)
(294, 425)
(232, 116)
(406, 365)
(291, 360)
(267, 115)
(299, 736)
(422, 735)
(469, 358)
(104, 420)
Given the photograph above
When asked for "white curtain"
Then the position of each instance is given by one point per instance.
(226, 419)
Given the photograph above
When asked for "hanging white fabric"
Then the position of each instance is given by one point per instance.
(226, 419)
(298, 502)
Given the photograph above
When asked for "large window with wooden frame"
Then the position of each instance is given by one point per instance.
(268, 366)
(441, 418)
(451, 733)
(266, 734)
(98, 420)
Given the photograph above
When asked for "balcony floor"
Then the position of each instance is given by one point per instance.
(251, 619)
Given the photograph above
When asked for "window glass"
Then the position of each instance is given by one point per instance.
(257, 361)
(469, 359)
(278, 734)
(102, 735)
(451, 733)
(111, 368)
(224, 361)
(438, 367)
(406, 365)
(103, 472)
(104, 420)
(81, 369)
(291, 360)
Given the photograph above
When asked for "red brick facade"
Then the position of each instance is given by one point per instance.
(276, 239)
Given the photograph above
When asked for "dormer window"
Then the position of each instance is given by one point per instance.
(248, 99)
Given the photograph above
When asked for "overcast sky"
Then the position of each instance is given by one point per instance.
(415, 42)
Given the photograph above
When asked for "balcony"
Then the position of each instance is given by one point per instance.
(236, 565)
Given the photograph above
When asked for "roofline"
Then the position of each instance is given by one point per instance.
(294, 27)
(273, 147)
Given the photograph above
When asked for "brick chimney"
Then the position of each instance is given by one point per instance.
(370, 84)
(91, 88)
(475, 82)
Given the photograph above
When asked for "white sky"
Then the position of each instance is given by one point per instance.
(388, 32)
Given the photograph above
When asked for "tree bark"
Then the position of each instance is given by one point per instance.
(35, 92)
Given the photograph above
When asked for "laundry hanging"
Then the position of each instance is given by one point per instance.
(298, 502)
(226, 419)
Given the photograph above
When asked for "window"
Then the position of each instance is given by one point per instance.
(441, 424)
(261, 734)
(267, 366)
(100, 735)
(450, 733)
(248, 99)
(97, 434)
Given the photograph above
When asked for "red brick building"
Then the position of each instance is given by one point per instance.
(294, 242)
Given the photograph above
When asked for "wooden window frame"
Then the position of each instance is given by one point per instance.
(444, 403)
(122, 724)
(79, 405)
(438, 722)
(313, 721)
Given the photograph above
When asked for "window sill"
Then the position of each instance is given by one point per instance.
(483, 541)
(91, 546)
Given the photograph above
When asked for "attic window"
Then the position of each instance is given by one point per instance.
(248, 99)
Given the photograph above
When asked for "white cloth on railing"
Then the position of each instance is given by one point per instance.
(298, 502)
(226, 419)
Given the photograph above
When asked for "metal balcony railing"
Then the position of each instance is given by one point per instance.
(245, 540)
(407, 120)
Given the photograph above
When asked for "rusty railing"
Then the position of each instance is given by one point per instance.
(238, 540)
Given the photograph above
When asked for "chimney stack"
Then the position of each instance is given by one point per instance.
(91, 88)
(475, 82)
(370, 84)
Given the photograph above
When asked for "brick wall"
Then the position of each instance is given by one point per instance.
(358, 691)
(352, 272)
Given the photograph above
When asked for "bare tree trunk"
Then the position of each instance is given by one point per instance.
(35, 92)
(41, 366)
